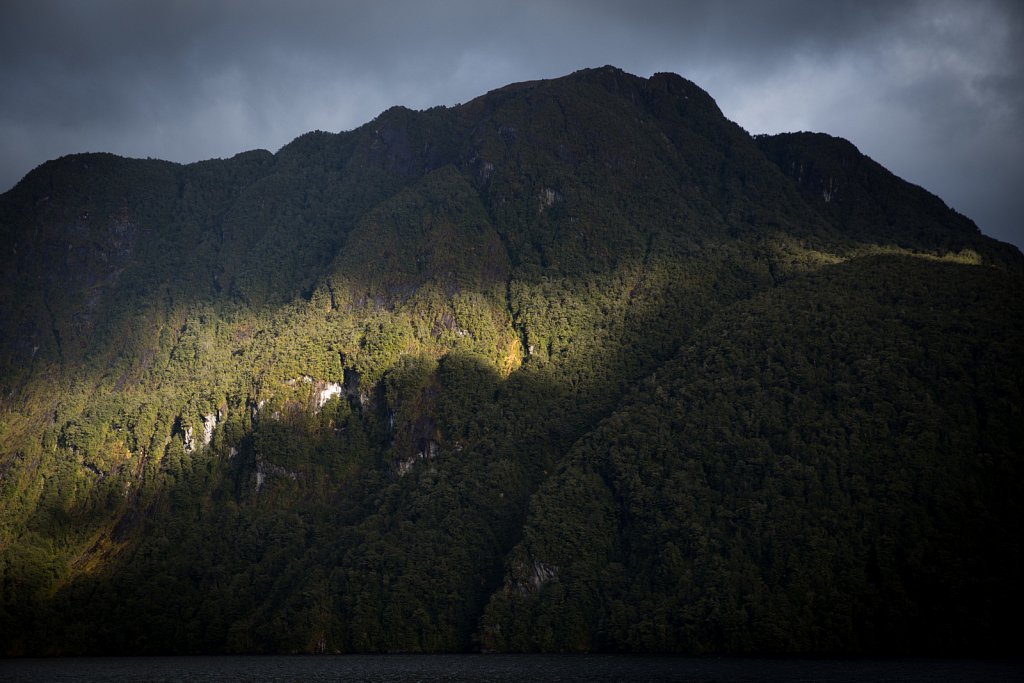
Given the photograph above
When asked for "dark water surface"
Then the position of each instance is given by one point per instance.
(499, 668)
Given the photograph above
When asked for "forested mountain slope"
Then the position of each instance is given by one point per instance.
(577, 365)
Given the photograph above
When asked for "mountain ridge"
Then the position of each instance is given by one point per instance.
(409, 387)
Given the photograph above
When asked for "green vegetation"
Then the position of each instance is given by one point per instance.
(578, 365)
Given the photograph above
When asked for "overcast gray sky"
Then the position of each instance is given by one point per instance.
(932, 89)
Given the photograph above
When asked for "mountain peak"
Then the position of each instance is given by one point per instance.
(577, 365)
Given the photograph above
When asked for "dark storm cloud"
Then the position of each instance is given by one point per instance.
(933, 90)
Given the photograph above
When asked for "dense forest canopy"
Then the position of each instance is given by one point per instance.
(579, 365)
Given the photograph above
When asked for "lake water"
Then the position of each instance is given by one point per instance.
(498, 669)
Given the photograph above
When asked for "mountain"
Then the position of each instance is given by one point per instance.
(578, 365)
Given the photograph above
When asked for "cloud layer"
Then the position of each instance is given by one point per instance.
(933, 90)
